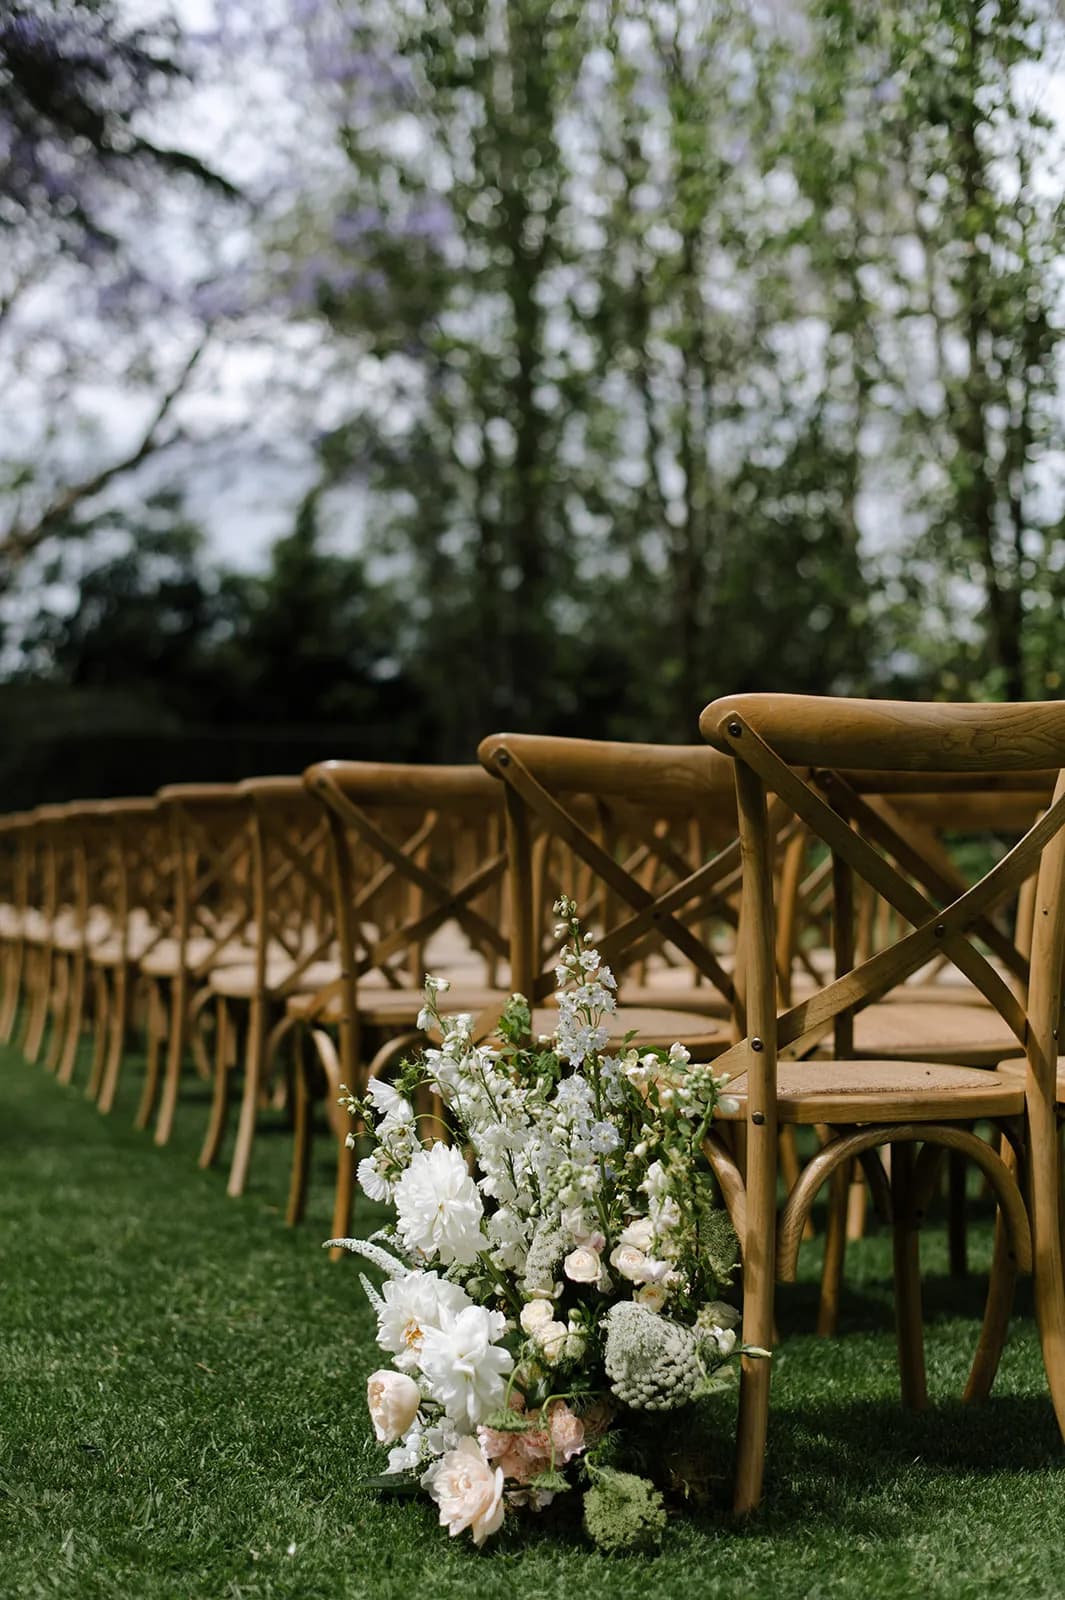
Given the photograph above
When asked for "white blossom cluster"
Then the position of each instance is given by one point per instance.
(573, 1186)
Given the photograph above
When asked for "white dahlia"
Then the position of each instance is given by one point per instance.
(411, 1306)
(438, 1208)
(464, 1369)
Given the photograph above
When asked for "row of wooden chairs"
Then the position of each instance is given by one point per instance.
(779, 899)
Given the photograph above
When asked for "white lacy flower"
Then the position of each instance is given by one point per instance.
(393, 1399)
(468, 1491)
(411, 1306)
(465, 1370)
(438, 1209)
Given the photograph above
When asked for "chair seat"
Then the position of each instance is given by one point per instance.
(972, 1036)
(108, 953)
(241, 982)
(654, 1027)
(701, 1001)
(392, 1008)
(163, 960)
(886, 1091)
(1017, 1071)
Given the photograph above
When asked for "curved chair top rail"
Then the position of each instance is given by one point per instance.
(811, 730)
(659, 775)
(281, 787)
(403, 783)
(198, 794)
(1037, 785)
(129, 809)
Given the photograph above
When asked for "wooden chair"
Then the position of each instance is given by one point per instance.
(920, 1109)
(614, 808)
(212, 925)
(293, 951)
(417, 876)
(15, 858)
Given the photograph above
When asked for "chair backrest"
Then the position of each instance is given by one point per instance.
(291, 898)
(650, 835)
(415, 849)
(209, 828)
(857, 749)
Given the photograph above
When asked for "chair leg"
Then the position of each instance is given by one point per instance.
(249, 1104)
(220, 1099)
(175, 1058)
(101, 1028)
(116, 1037)
(857, 1205)
(59, 1002)
(302, 1133)
(38, 1015)
(75, 1019)
(1044, 1208)
(759, 1277)
(909, 1330)
(156, 1032)
(13, 979)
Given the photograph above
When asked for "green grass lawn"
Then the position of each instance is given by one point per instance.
(183, 1414)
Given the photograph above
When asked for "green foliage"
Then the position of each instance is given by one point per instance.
(624, 1515)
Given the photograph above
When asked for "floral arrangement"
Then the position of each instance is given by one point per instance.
(559, 1283)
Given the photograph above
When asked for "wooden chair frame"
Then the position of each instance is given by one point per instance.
(768, 736)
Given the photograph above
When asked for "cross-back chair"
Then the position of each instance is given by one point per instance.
(212, 921)
(15, 856)
(647, 881)
(418, 882)
(919, 1108)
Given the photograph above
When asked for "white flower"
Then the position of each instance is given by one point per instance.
(582, 1265)
(725, 1339)
(468, 1491)
(535, 1314)
(629, 1261)
(411, 1305)
(438, 1209)
(389, 1104)
(393, 1399)
(677, 1052)
(718, 1314)
(651, 1295)
(552, 1338)
(408, 1453)
(728, 1105)
(639, 1234)
(464, 1368)
(372, 1182)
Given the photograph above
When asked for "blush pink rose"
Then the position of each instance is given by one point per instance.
(469, 1492)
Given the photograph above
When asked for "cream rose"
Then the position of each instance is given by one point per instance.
(639, 1234)
(468, 1491)
(535, 1314)
(629, 1261)
(651, 1295)
(393, 1399)
(551, 1337)
(582, 1265)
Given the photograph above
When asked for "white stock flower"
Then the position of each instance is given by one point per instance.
(411, 1305)
(408, 1453)
(393, 1399)
(438, 1209)
(465, 1370)
(389, 1104)
(468, 1491)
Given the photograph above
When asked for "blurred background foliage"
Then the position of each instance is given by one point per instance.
(638, 351)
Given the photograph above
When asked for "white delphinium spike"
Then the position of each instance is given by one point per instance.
(371, 1293)
(372, 1252)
